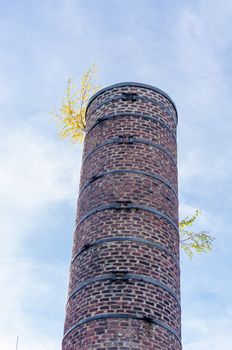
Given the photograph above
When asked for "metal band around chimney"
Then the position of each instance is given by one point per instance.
(129, 171)
(104, 240)
(124, 316)
(130, 140)
(125, 276)
(133, 84)
(118, 206)
(152, 118)
(136, 98)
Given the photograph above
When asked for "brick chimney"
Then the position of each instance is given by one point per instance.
(124, 289)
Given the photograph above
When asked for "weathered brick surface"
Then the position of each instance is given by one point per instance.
(124, 290)
(111, 223)
(120, 334)
(137, 258)
(159, 105)
(109, 297)
(129, 156)
(144, 190)
(128, 125)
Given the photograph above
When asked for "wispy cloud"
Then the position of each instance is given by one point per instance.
(207, 334)
(37, 172)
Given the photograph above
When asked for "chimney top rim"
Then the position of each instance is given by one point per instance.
(131, 83)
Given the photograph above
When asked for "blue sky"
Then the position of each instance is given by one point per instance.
(183, 47)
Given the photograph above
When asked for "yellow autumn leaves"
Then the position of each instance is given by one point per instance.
(190, 241)
(71, 115)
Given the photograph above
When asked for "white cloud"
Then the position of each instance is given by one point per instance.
(35, 169)
(208, 334)
(29, 298)
(36, 172)
(199, 164)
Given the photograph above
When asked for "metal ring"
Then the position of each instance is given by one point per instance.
(124, 277)
(134, 84)
(123, 316)
(119, 140)
(129, 171)
(118, 206)
(134, 115)
(142, 98)
(126, 238)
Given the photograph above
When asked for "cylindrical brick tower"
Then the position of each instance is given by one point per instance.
(124, 290)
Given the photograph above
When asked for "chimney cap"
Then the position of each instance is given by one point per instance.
(131, 83)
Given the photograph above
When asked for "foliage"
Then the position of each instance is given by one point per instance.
(194, 242)
(71, 115)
